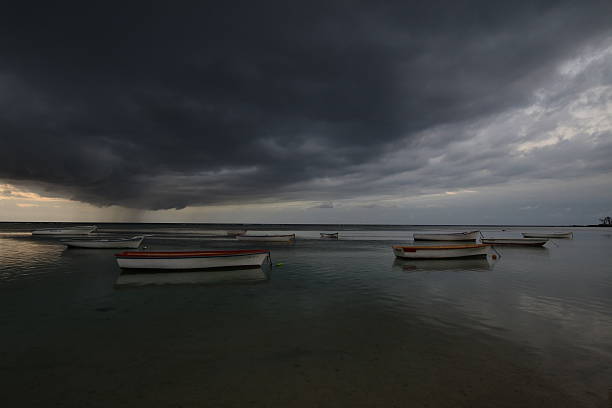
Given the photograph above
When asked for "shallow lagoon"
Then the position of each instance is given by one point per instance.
(340, 323)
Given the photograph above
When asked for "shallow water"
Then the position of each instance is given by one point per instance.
(338, 323)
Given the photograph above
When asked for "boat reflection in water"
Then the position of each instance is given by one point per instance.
(212, 277)
(449, 265)
(532, 252)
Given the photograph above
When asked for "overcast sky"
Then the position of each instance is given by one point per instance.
(399, 112)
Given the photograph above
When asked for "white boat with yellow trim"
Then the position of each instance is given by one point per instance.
(440, 251)
(452, 236)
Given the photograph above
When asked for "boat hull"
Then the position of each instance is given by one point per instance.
(441, 252)
(104, 243)
(267, 238)
(548, 234)
(329, 236)
(515, 241)
(191, 260)
(459, 236)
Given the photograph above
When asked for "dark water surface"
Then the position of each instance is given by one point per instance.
(340, 323)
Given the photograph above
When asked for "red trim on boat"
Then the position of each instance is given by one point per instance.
(179, 254)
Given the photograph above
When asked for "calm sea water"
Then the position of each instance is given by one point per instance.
(333, 323)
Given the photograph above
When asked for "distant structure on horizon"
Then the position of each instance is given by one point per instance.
(606, 221)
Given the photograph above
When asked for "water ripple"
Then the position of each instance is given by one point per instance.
(24, 258)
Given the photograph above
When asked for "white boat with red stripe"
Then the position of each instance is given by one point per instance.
(568, 235)
(185, 260)
(440, 251)
(515, 241)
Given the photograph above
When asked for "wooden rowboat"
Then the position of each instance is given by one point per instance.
(267, 238)
(333, 235)
(183, 260)
(133, 242)
(515, 241)
(76, 230)
(440, 251)
(548, 234)
(453, 236)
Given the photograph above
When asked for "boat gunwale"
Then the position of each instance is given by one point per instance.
(189, 254)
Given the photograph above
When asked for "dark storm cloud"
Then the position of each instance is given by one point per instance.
(157, 106)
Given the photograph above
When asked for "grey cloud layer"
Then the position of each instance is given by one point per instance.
(156, 107)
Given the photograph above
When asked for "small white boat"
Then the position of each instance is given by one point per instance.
(98, 242)
(183, 260)
(453, 236)
(76, 230)
(440, 251)
(548, 234)
(325, 235)
(267, 238)
(515, 241)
